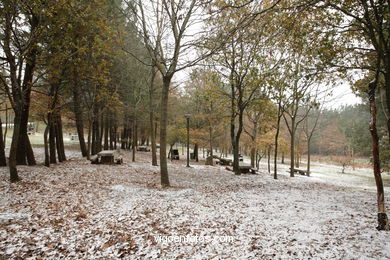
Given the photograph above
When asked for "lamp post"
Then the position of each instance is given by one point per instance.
(187, 116)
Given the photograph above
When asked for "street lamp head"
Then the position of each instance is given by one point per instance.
(187, 115)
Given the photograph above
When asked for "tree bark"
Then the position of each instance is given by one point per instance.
(163, 131)
(134, 145)
(383, 222)
(46, 145)
(14, 144)
(3, 160)
(277, 141)
(308, 157)
(6, 124)
(211, 145)
(52, 140)
(106, 130)
(60, 138)
(196, 152)
(292, 148)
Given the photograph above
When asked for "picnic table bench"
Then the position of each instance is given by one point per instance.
(175, 154)
(244, 169)
(224, 161)
(107, 157)
(143, 149)
(301, 172)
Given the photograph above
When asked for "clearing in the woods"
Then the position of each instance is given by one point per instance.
(76, 209)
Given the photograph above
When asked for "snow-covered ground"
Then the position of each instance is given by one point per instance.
(78, 210)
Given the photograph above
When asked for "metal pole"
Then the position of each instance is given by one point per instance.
(188, 141)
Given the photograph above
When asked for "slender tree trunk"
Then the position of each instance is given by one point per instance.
(277, 142)
(89, 151)
(211, 145)
(383, 222)
(308, 157)
(134, 139)
(46, 145)
(58, 145)
(163, 132)
(6, 125)
(292, 149)
(152, 138)
(3, 160)
(101, 130)
(106, 130)
(60, 139)
(196, 152)
(14, 144)
(111, 129)
(269, 159)
(387, 87)
(79, 116)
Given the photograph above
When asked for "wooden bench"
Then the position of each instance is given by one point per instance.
(301, 172)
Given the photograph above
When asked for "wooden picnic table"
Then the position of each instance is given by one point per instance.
(107, 157)
(244, 169)
(143, 149)
(301, 172)
(224, 161)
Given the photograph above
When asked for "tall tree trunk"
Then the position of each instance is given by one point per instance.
(163, 132)
(111, 129)
(153, 138)
(196, 152)
(106, 130)
(25, 152)
(277, 141)
(387, 87)
(79, 116)
(292, 148)
(101, 130)
(236, 142)
(14, 143)
(60, 139)
(308, 157)
(383, 222)
(6, 124)
(46, 145)
(211, 145)
(153, 129)
(134, 146)
(52, 142)
(269, 158)
(89, 151)
(3, 160)
(21, 156)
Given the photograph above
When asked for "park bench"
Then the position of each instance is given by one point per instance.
(224, 161)
(143, 149)
(107, 157)
(301, 172)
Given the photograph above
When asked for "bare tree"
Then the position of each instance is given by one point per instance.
(165, 26)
